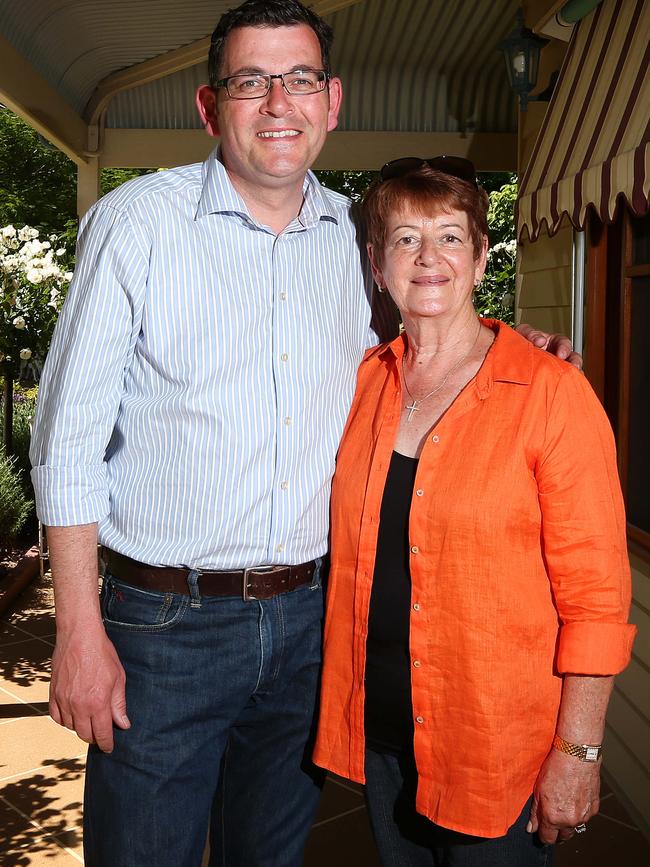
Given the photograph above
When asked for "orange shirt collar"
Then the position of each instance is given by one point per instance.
(509, 359)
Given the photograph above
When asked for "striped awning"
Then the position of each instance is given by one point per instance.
(593, 147)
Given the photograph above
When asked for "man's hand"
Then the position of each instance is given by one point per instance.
(557, 344)
(566, 794)
(87, 687)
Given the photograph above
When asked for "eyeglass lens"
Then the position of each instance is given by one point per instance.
(252, 86)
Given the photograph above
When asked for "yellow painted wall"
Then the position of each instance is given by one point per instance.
(544, 281)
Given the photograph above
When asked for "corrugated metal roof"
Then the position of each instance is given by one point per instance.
(424, 65)
(74, 44)
(416, 65)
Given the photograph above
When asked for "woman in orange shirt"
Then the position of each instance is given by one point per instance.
(479, 588)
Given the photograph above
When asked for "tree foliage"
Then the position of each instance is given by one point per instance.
(37, 182)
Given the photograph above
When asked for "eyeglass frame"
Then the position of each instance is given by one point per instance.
(223, 82)
(438, 164)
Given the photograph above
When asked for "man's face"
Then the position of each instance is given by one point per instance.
(270, 142)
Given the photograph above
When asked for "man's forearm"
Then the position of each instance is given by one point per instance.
(73, 558)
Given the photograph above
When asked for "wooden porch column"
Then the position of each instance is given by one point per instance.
(87, 185)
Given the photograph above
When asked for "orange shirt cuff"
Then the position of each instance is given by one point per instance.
(594, 648)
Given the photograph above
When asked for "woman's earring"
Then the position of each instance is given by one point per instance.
(380, 289)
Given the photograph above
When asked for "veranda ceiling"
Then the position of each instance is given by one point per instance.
(114, 77)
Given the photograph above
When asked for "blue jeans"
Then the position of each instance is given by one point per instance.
(405, 838)
(221, 694)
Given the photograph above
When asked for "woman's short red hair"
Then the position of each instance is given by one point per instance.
(426, 191)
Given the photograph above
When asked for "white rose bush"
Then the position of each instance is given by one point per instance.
(34, 278)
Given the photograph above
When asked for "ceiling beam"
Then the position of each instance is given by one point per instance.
(29, 95)
(148, 148)
(169, 63)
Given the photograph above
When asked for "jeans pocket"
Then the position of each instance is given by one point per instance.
(127, 607)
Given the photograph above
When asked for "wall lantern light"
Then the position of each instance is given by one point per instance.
(521, 50)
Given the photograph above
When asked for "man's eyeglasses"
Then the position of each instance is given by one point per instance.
(254, 85)
(457, 167)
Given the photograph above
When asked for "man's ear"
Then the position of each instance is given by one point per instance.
(335, 96)
(206, 103)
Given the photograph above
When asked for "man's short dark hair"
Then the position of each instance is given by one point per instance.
(267, 13)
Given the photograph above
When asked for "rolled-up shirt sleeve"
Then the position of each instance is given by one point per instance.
(584, 532)
(82, 382)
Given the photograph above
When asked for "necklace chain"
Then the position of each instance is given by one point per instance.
(415, 404)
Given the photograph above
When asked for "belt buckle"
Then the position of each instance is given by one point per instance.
(248, 597)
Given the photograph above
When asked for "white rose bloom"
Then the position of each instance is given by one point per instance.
(19, 322)
(25, 354)
(68, 276)
(34, 276)
(45, 245)
(8, 232)
(60, 251)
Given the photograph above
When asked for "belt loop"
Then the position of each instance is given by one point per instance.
(193, 585)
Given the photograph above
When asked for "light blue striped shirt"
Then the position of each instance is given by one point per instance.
(201, 373)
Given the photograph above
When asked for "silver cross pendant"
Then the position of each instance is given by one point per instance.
(413, 407)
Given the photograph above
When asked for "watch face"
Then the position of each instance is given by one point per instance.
(591, 754)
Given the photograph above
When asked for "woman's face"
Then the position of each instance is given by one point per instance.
(428, 262)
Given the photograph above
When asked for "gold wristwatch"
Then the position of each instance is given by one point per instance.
(584, 752)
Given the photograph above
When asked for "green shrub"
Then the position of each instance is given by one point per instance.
(14, 505)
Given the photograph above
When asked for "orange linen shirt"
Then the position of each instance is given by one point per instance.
(519, 574)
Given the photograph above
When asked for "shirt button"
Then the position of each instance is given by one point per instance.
(283, 296)
(279, 548)
(287, 420)
(419, 719)
(284, 356)
(415, 549)
(419, 492)
(416, 606)
(416, 663)
(284, 485)
(435, 438)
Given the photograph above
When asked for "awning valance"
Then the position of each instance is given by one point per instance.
(593, 146)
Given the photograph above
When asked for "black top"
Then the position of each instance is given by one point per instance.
(388, 708)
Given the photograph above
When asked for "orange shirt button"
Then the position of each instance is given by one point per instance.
(419, 719)
(419, 492)
(415, 549)
(435, 438)
(416, 663)
(416, 606)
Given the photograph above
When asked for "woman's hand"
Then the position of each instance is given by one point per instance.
(566, 794)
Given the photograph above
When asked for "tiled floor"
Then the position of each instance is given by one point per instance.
(41, 775)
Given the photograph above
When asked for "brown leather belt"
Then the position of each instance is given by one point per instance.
(259, 582)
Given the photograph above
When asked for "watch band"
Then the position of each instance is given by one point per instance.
(584, 752)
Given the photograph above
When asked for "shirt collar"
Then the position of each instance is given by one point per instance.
(509, 359)
(218, 196)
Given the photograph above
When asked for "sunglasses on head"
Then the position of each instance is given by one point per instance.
(457, 167)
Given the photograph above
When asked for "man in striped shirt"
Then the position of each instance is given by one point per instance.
(189, 416)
